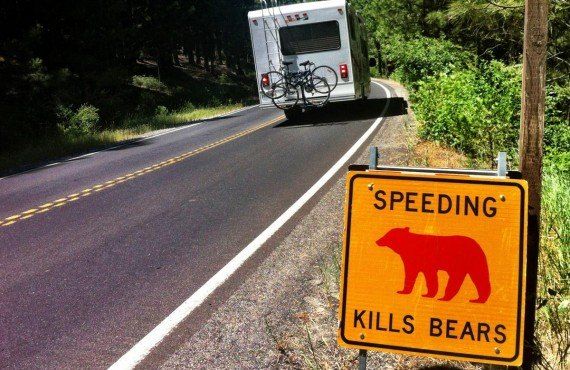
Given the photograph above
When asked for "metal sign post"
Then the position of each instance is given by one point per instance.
(363, 354)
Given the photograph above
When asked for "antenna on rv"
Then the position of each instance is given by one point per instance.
(280, 12)
(268, 3)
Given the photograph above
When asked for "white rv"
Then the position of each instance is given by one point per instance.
(327, 33)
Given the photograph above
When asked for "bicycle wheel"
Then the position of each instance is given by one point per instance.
(290, 97)
(273, 85)
(317, 92)
(328, 74)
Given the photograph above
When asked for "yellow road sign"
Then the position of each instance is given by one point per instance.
(434, 265)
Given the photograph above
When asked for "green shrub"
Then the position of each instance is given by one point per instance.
(557, 125)
(188, 107)
(147, 103)
(214, 102)
(475, 111)
(559, 162)
(78, 123)
(161, 110)
(37, 72)
(556, 214)
(150, 83)
(224, 78)
(423, 57)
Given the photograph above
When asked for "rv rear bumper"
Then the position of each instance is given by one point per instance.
(338, 98)
(343, 98)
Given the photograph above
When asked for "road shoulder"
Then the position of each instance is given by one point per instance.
(284, 315)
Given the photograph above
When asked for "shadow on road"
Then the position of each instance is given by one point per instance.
(133, 143)
(346, 112)
(232, 115)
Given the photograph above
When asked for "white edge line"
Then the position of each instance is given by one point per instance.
(132, 141)
(142, 349)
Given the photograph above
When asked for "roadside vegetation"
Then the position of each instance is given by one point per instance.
(461, 61)
(79, 133)
(81, 75)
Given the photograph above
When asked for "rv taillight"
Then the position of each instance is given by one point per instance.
(343, 71)
(265, 79)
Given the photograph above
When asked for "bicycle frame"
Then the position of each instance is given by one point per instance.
(300, 79)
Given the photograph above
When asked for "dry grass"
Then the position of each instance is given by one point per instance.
(431, 154)
(65, 145)
(314, 344)
(140, 125)
(553, 315)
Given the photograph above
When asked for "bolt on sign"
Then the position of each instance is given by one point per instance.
(434, 265)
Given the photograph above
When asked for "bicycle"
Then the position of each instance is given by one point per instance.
(327, 73)
(324, 72)
(283, 88)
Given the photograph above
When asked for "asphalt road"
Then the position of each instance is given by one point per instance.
(96, 251)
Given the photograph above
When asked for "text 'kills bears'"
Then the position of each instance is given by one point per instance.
(457, 255)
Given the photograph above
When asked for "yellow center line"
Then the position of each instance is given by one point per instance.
(108, 184)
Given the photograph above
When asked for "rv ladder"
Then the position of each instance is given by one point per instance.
(271, 34)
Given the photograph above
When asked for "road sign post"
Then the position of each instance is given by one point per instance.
(434, 263)
(363, 354)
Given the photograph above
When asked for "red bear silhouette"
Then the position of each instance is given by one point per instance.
(457, 255)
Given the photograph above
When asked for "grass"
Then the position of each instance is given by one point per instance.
(60, 146)
(185, 115)
(431, 154)
(553, 315)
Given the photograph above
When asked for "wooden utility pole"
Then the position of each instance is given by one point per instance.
(530, 148)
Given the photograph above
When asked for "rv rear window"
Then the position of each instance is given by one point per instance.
(310, 38)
